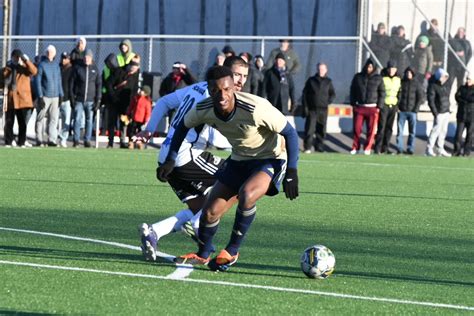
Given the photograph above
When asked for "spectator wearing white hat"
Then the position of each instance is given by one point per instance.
(49, 89)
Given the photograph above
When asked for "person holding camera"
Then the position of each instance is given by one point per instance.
(179, 78)
(16, 79)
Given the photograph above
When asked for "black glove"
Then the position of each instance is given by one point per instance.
(290, 183)
(163, 171)
(41, 103)
(96, 106)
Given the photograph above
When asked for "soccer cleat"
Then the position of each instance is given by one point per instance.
(223, 261)
(149, 242)
(191, 258)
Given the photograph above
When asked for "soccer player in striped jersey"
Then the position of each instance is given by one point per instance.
(263, 143)
(195, 169)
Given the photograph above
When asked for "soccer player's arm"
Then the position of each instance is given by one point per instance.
(277, 122)
(162, 107)
(190, 120)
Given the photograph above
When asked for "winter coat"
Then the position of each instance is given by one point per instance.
(253, 81)
(458, 45)
(21, 96)
(367, 89)
(122, 87)
(381, 46)
(48, 80)
(278, 92)
(77, 57)
(437, 45)
(168, 85)
(318, 92)
(465, 100)
(140, 109)
(438, 95)
(66, 75)
(423, 60)
(411, 95)
(292, 60)
(86, 83)
(401, 52)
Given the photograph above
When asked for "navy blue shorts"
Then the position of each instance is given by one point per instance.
(234, 173)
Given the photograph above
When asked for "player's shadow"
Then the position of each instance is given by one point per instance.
(86, 182)
(48, 253)
(21, 313)
(383, 196)
(382, 276)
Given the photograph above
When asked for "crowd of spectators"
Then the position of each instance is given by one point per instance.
(67, 94)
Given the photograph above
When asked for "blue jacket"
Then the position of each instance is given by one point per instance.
(48, 80)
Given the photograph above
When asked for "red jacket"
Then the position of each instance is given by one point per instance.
(140, 109)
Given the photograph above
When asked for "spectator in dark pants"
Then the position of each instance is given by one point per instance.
(19, 103)
(278, 86)
(463, 50)
(85, 88)
(122, 86)
(392, 84)
(367, 97)
(411, 97)
(465, 116)
(318, 93)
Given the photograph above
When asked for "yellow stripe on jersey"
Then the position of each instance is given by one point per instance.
(252, 129)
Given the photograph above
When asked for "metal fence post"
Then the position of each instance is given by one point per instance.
(37, 47)
(150, 53)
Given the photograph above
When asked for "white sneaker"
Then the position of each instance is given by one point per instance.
(14, 143)
(353, 152)
(27, 144)
(307, 151)
(430, 153)
(367, 152)
(63, 144)
(444, 153)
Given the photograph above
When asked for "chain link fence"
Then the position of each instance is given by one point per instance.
(158, 53)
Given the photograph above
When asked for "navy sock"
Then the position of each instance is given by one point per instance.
(205, 234)
(243, 220)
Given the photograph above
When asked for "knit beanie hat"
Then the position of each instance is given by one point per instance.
(424, 39)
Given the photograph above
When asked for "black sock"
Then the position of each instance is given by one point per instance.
(243, 220)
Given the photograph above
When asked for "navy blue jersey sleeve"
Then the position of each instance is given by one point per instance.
(179, 134)
(292, 147)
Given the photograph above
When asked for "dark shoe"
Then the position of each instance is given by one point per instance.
(123, 145)
(409, 152)
(51, 144)
(75, 144)
(110, 145)
(87, 144)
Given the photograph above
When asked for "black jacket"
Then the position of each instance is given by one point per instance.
(465, 99)
(86, 83)
(122, 87)
(381, 46)
(66, 75)
(411, 95)
(318, 92)
(169, 85)
(401, 52)
(438, 95)
(367, 89)
(278, 92)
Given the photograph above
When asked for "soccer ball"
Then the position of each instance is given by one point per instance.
(318, 262)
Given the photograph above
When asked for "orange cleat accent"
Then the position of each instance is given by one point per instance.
(191, 258)
(224, 258)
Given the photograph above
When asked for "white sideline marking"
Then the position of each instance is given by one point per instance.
(253, 286)
(182, 270)
(376, 164)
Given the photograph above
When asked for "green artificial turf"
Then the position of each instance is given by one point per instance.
(400, 228)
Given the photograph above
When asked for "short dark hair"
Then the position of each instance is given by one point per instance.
(218, 72)
(235, 60)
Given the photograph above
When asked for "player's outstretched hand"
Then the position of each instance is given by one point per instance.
(290, 183)
(163, 171)
(142, 137)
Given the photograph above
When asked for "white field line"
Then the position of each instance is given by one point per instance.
(243, 285)
(376, 164)
(182, 270)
